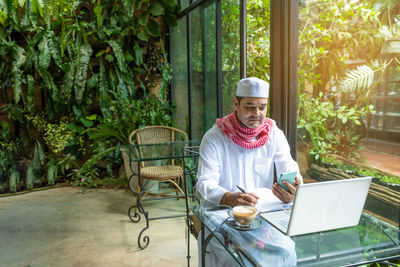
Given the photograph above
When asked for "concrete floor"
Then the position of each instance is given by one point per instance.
(65, 227)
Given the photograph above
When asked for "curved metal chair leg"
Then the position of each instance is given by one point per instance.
(145, 239)
(136, 216)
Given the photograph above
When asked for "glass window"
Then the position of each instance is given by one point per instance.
(230, 52)
(258, 39)
(179, 86)
(348, 81)
(203, 64)
(184, 4)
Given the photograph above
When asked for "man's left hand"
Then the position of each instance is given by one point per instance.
(282, 194)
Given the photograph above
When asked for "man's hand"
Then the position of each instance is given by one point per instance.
(284, 195)
(235, 199)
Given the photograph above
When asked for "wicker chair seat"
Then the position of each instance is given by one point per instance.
(161, 173)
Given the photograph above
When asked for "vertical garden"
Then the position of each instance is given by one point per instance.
(76, 77)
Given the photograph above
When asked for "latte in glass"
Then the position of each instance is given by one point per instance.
(244, 215)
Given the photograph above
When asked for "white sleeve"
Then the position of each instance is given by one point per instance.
(208, 175)
(282, 157)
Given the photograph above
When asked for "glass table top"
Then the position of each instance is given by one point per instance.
(157, 151)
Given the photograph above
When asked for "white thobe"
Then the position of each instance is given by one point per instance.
(224, 164)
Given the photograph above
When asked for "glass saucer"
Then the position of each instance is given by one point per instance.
(254, 225)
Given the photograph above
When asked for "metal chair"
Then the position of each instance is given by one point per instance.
(151, 170)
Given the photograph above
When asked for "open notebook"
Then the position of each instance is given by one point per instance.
(268, 201)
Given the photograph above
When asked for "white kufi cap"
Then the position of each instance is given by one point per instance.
(252, 87)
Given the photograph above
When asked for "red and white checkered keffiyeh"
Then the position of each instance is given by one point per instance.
(249, 138)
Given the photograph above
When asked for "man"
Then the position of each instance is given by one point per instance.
(242, 149)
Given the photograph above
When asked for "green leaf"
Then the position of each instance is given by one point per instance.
(94, 159)
(100, 53)
(3, 17)
(129, 7)
(97, 11)
(86, 122)
(142, 35)
(44, 55)
(19, 60)
(103, 88)
(92, 117)
(77, 111)
(54, 49)
(85, 52)
(153, 29)
(37, 8)
(30, 176)
(138, 54)
(48, 82)
(109, 58)
(67, 84)
(119, 54)
(156, 9)
(52, 172)
(143, 19)
(75, 128)
(128, 57)
(93, 81)
(40, 153)
(14, 179)
(31, 93)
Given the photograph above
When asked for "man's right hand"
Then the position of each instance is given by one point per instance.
(235, 199)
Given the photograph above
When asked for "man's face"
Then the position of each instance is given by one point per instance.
(251, 111)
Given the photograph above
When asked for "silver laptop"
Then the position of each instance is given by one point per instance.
(322, 206)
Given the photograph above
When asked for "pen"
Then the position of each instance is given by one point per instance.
(241, 189)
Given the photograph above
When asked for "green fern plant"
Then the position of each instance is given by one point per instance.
(358, 80)
(14, 179)
(119, 54)
(52, 172)
(30, 176)
(19, 60)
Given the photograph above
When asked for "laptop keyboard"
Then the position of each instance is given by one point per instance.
(284, 223)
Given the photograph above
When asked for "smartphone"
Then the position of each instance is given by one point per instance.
(288, 177)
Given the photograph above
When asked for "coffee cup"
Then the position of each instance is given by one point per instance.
(244, 215)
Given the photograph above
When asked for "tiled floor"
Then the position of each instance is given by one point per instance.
(382, 155)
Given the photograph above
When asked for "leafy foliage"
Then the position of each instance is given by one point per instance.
(329, 128)
(331, 34)
(124, 116)
(258, 39)
(357, 80)
(62, 63)
(339, 43)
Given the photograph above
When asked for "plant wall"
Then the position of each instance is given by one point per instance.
(76, 77)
